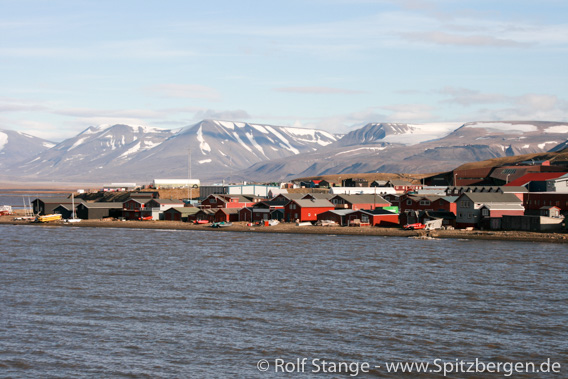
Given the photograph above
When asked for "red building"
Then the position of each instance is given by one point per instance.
(227, 215)
(132, 208)
(229, 201)
(403, 186)
(428, 203)
(356, 202)
(534, 201)
(377, 217)
(306, 210)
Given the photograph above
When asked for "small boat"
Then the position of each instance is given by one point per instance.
(273, 222)
(221, 224)
(6, 210)
(48, 218)
(201, 222)
(145, 218)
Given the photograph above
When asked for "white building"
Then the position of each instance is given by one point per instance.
(176, 183)
(362, 190)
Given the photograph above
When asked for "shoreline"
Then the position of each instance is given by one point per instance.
(291, 228)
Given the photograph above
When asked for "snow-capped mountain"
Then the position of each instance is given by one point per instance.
(93, 152)
(396, 133)
(17, 147)
(218, 149)
(418, 148)
(237, 150)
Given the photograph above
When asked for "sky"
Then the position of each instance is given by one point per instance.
(334, 65)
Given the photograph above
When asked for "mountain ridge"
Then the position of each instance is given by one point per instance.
(235, 151)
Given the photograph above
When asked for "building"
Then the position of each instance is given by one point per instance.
(306, 210)
(536, 181)
(533, 202)
(376, 217)
(203, 214)
(356, 202)
(338, 216)
(261, 190)
(175, 183)
(156, 207)
(119, 187)
(362, 190)
(559, 185)
(230, 201)
(95, 211)
(47, 205)
(469, 206)
(403, 186)
(354, 182)
(532, 223)
(132, 209)
(180, 213)
(226, 215)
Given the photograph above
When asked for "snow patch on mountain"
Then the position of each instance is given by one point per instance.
(557, 129)
(204, 146)
(504, 127)
(412, 134)
(542, 145)
(131, 151)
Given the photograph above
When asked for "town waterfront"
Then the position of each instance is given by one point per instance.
(112, 302)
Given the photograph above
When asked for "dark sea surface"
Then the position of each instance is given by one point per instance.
(101, 302)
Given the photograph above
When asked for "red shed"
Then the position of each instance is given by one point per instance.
(227, 215)
(306, 210)
(377, 217)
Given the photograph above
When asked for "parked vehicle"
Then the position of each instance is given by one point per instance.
(415, 226)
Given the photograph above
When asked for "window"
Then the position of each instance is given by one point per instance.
(212, 200)
(485, 212)
(408, 202)
(460, 215)
(424, 202)
(364, 219)
(469, 215)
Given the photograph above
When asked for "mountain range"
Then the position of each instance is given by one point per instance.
(214, 150)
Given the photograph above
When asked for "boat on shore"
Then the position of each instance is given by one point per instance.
(201, 222)
(221, 224)
(48, 218)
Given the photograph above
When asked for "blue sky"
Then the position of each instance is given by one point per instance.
(334, 64)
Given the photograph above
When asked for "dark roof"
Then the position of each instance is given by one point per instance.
(228, 210)
(492, 197)
(377, 212)
(110, 205)
(58, 200)
(271, 203)
(292, 196)
(167, 201)
(184, 210)
(320, 196)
